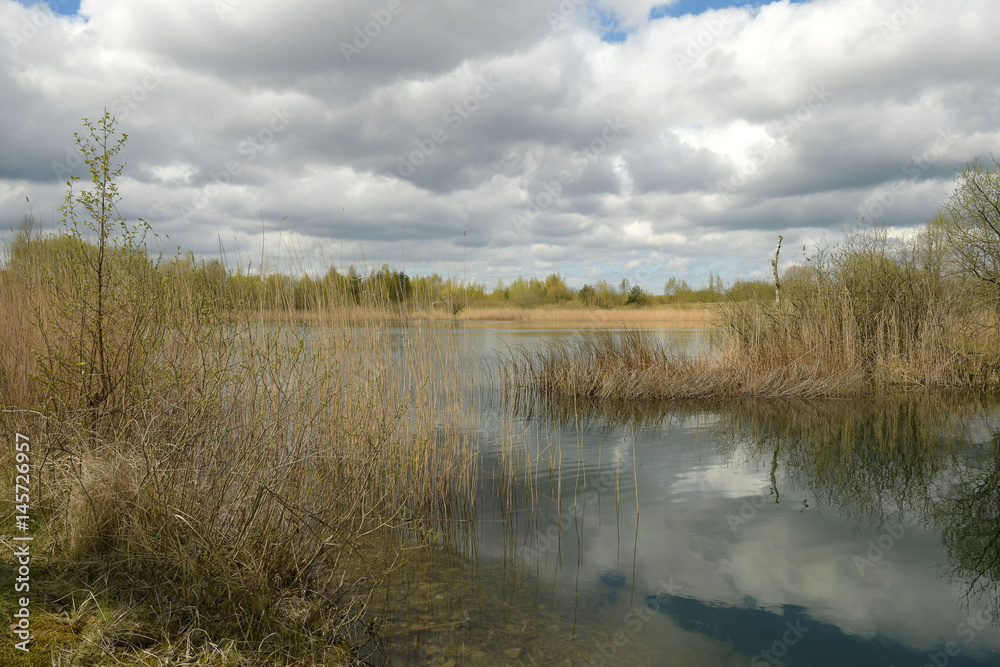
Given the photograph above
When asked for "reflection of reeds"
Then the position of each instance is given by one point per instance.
(969, 519)
(872, 458)
(923, 457)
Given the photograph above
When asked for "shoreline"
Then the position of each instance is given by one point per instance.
(700, 317)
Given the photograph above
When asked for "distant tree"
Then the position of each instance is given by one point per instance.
(305, 293)
(636, 297)
(20, 249)
(605, 295)
(500, 292)
(555, 289)
(354, 282)
(759, 290)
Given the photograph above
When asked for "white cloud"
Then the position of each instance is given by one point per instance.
(694, 99)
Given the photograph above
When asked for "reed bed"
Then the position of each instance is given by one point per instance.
(762, 353)
(635, 365)
(776, 358)
(873, 315)
(598, 318)
(246, 484)
(694, 317)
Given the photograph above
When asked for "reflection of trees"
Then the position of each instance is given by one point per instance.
(970, 529)
(919, 455)
(873, 459)
(877, 460)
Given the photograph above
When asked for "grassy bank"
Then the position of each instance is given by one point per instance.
(577, 316)
(695, 316)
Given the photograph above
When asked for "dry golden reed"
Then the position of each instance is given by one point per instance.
(762, 352)
(870, 315)
(248, 480)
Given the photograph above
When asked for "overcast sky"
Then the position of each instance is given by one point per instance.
(594, 138)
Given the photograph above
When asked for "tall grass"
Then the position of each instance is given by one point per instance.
(873, 314)
(635, 365)
(896, 312)
(244, 481)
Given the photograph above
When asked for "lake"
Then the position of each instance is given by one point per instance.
(760, 532)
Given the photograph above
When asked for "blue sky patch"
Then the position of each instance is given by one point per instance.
(609, 26)
(659, 11)
(67, 7)
(700, 6)
(612, 31)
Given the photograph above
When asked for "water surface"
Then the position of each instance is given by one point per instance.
(749, 532)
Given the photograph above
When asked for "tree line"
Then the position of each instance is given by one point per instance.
(223, 287)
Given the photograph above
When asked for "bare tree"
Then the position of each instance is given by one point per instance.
(971, 216)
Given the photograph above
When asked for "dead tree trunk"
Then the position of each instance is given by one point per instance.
(774, 267)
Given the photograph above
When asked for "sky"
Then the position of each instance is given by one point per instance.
(600, 139)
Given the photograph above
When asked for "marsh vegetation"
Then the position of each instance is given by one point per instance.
(240, 467)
